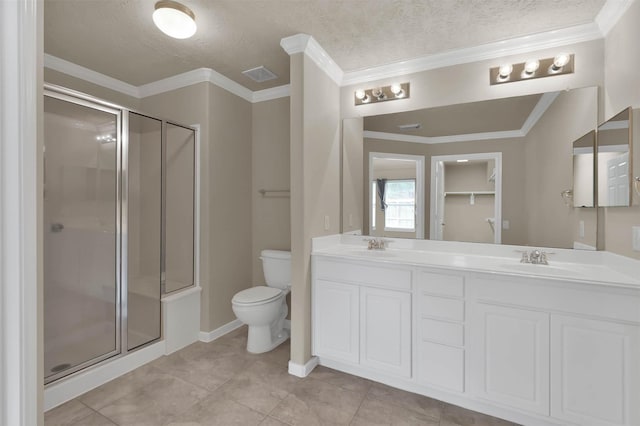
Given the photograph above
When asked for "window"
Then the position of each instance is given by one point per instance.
(400, 214)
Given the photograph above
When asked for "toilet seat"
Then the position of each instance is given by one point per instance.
(256, 295)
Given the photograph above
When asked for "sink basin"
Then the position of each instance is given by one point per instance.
(371, 253)
(529, 268)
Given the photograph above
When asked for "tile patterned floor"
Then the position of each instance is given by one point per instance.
(219, 383)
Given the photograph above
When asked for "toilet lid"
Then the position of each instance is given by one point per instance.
(258, 294)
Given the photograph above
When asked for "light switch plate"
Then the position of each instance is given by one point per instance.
(635, 232)
(581, 229)
(326, 223)
(505, 224)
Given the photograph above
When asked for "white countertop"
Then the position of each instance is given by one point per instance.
(589, 267)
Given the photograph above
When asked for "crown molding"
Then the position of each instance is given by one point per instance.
(272, 93)
(514, 46)
(444, 139)
(86, 74)
(200, 75)
(304, 43)
(611, 13)
(536, 113)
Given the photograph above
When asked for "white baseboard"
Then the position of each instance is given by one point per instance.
(210, 336)
(303, 370)
(79, 383)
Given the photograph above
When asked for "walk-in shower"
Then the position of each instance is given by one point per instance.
(118, 227)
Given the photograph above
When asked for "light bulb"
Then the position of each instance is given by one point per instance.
(360, 94)
(505, 70)
(174, 19)
(531, 66)
(377, 92)
(560, 60)
(396, 89)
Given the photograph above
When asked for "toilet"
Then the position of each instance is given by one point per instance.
(264, 308)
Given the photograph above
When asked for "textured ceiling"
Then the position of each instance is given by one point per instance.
(118, 38)
(461, 119)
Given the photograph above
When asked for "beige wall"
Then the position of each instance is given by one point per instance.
(352, 190)
(271, 213)
(622, 89)
(315, 184)
(549, 170)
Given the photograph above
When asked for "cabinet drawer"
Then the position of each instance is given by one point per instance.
(446, 285)
(442, 307)
(449, 333)
(442, 366)
(398, 279)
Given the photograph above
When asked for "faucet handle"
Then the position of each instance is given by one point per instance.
(525, 256)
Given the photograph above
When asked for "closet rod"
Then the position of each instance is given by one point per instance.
(267, 191)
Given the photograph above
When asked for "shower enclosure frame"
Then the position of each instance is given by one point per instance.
(122, 115)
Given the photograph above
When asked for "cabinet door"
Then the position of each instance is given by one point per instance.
(335, 321)
(510, 357)
(595, 376)
(385, 338)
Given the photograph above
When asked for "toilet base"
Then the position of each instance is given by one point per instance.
(260, 340)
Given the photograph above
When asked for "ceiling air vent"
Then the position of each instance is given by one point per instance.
(413, 126)
(260, 74)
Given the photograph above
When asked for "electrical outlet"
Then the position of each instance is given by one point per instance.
(635, 231)
(505, 224)
(326, 223)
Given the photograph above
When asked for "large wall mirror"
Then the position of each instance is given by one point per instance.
(614, 161)
(500, 166)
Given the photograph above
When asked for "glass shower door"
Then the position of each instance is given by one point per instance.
(81, 271)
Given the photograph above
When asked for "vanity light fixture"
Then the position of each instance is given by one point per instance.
(174, 19)
(382, 93)
(530, 67)
(562, 63)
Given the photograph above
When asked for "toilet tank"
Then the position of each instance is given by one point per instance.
(276, 265)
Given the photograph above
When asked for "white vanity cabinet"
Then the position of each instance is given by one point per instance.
(533, 349)
(439, 318)
(510, 357)
(595, 370)
(385, 330)
(362, 315)
(565, 350)
(336, 320)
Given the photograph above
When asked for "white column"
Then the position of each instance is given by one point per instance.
(20, 206)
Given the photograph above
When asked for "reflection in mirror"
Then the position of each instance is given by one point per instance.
(396, 188)
(583, 170)
(614, 161)
(466, 194)
(534, 136)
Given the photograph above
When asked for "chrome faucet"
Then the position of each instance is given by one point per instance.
(376, 243)
(535, 257)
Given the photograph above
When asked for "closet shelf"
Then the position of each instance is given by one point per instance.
(469, 193)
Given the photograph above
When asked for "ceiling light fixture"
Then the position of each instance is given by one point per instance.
(562, 63)
(381, 93)
(174, 19)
